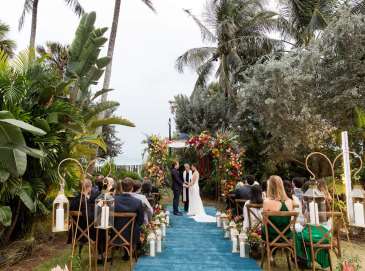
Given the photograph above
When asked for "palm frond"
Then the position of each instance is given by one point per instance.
(76, 6)
(27, 8)
(149, 4)
(111, 121)
(194, 58)
(206, 34)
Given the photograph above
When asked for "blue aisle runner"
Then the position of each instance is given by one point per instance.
(192, 246)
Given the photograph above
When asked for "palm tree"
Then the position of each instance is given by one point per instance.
(301, 19)
(31, 6)
(111, 45)
(238, 27)
(6, 45)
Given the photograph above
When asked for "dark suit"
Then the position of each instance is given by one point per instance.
(126, 203)
(243, 192)
(177, 185)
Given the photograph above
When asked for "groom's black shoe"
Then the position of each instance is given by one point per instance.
(178, 213)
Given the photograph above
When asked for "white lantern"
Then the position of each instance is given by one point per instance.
(104, 209)
(158, 240)
(315, 202)
(151, 238)
(163, 229)
(234, 236)
(60, 212)
(218, 219)
(167, 213)
(358, 201)
(242, 240)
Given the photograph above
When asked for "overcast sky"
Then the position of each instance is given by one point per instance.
(144, 77)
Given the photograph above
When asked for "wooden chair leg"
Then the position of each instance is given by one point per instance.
(130, 259)
(106, 257)
(263, 254)
(329, 258)
(268, 255)
(287, 259)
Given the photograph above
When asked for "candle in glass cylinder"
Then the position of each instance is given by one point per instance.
(218, 219)
(158, 241)
(152, 241)
(313, 213)
(60, 218)
(242, 239)
(104, 217)
(234, 235)
(359, 214)
(163, 229)
(167, 213)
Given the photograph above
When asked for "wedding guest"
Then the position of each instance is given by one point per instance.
(146, 187)
(125, 202)
(256, 198)
(108, 189)
(288, 187)
(277, 200)
(244, 192)
(322, 186)
(298, 183)
(147, 208)
(83, 202)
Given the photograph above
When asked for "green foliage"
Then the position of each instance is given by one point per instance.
(6, 45)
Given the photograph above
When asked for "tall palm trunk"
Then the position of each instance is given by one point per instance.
(34, 24)
(112, 38)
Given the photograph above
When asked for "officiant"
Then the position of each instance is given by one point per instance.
(187, 175)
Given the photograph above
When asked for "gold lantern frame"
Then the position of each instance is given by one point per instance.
(84, 173)
(334, 195)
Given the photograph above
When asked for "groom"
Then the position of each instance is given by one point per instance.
(187, 174)
(177, 186)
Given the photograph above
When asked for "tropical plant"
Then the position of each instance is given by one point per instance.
(56, 56)
(31, 6)
(300, 20)
(239, 28)
(6, 45)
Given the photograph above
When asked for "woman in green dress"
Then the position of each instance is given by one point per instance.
(276, 200)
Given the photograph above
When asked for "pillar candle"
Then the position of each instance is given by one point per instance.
(167, 218)
(359, 214)
(104, 223)
(242, 249)
(158, 241)
(313, 213)
(152, 248)
(60, 218)
(234, 245)
(218, 219)
(163, 229)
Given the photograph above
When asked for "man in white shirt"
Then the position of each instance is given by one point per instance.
(148, 210)
(187, 175)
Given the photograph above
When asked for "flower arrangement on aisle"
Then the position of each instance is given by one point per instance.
(153, 233)
(226, 153)
(158, 159)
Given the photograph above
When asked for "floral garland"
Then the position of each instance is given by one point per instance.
(226, 153)
(157, 162)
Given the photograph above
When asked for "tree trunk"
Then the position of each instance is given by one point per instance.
(13, 224)
(34, 24)
(112, 38)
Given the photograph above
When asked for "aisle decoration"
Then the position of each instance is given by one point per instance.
(226, 153)
(158, 160)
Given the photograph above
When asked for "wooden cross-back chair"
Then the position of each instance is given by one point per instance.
(116, 239)
(230, 200)
(82, 233)
(281, 241)
(330, 239)
(239, 204)
(254, 220)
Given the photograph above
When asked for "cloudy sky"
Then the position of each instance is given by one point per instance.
(144, 77)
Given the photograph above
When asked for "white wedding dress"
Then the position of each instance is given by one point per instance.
(196, 208)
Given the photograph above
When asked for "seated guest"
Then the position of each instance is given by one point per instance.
(276, 200)
(317, 232)
(298, 183)
(256, 198)
(86, 201)
(288, 187)
(108, 188)
(146, 187)
(125, 202)
(244, 192)
(148, 210)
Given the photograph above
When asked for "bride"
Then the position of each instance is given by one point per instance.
(196, 208)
